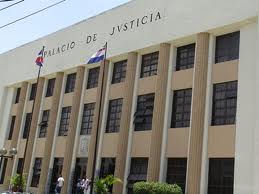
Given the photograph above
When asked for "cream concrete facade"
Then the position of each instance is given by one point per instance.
(134, 34)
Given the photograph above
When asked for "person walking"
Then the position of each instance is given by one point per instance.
(60, 183)
(87, 186)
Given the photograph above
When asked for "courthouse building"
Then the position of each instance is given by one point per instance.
(179, 101)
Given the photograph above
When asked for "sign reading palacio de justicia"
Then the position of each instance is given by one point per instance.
(120, 28)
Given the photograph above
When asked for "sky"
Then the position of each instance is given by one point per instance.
(63, 15)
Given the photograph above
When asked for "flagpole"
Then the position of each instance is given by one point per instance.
(98, 125)
(29, 129)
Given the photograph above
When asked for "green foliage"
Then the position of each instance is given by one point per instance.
(18, 181)
(102, 186)
(156, 188)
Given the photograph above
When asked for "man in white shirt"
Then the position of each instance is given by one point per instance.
(60, 184)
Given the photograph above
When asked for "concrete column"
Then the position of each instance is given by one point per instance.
(90, 162)
(72, 128)
(197, 114)
(50, 133)
(16, 131)
(34, 125)
(159, 113)
(125, 121)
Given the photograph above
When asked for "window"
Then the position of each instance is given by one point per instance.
(57, 170)
(119, 72)
(93, 77)
(114, 116)
(36, 172)
(19, 166)
(11, 128)
(176, 172)
(27, 126)
(44, 124)
(3, 170)
(227, 47)
(185, 57)
(80, 172)
(64, 121)
(107, 167)
(87, 120)
(33, 91)
(144, 113)
(181, 108)
(71, 81)
(50, 87)
(224, 103)
(138, 172)
(221, 175)
(17, 98)
(149, 64)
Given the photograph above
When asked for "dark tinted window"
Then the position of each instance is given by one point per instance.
(114, 116)
(19, 166)
(138, 172)
(87, 120)
(149, 64)
(17, 97)
(119, 72)
(176, 172)
(224, 103)
(50, 87)
(221, 176)
(3, 170)
(227, 47)
(44, 124)
(80, 172)
(107, 167)
(27, 126)
(144, 113)
(36, 172)
(33, 91)
(64, 121)
(181, 108)
(71, 81)
(93, 77)
(185, 57)
(11, 128)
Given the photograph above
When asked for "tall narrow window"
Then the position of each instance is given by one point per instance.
(144, 113)
(114, 116)
(50, 87)
(3, 170)
(93, 77)
(19, 166)
(107, 167)
(57, 170)
(27, 126)
(138, 172)
(185, 57)
(80, 172)
(11, 128)
(227, 47)
(224, 103)
(64, 121)
(71, 81)
(44, 124)
(119, 72)
(17, 98)
(36, 172)
(221, 175)
(176, 172)
(181, 108)
(87, 120)
(33, 91)
(149, 64)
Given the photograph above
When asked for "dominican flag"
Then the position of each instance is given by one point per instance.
(98, 56)
(39, 59)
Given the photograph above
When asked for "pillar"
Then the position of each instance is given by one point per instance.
(50, 133)
(72, 128)
(125, 121)
(197, 114)
(158, 113)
